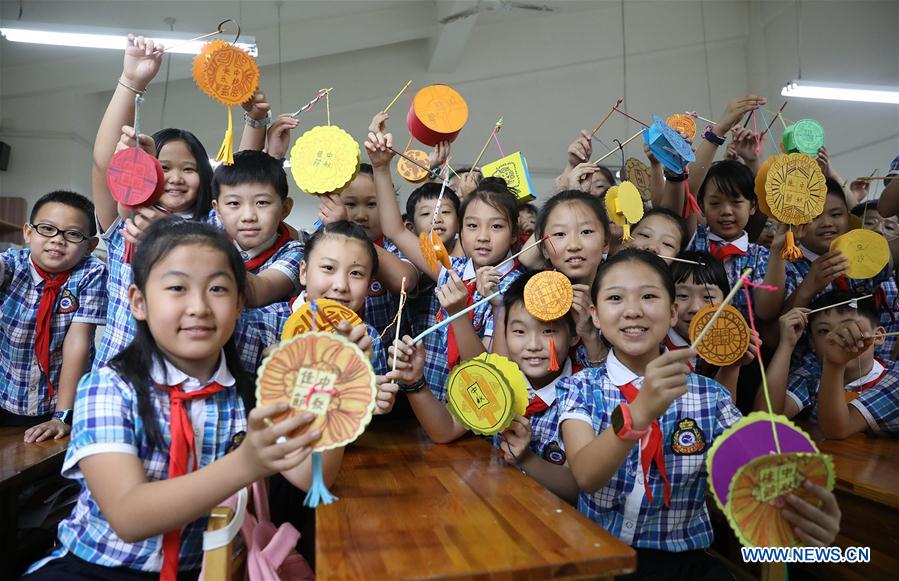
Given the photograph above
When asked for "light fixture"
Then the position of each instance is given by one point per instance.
(838, 92)
(93, 37)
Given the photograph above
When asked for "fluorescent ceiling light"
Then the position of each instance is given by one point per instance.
(88, 37)
(837, 92)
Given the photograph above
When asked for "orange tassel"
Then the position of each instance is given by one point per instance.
(553, 361)
(791, 251)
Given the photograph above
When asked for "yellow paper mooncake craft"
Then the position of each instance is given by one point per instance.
(637, 172)
(624, 206)
(510, 370)
(548, 295)
(728, 339)
(480, 396)
(328, 315)
(867, 252)
(408, 170)
(433, 251)
(795, 192)
(324, 160)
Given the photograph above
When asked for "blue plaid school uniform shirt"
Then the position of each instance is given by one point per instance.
(107, 421)
(249, 333)
(381, 305)
(82, 299)
(268, 328)
(689, 426)
(437, 343)
(803, 386)
(880, 403)
(756, 257)
(120, 325)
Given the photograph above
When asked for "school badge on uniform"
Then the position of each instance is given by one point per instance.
(554, 454)
(688, 438)
(236, 440)
(68, 303)
(376, 289)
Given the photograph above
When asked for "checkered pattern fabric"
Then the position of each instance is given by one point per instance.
(880, 403)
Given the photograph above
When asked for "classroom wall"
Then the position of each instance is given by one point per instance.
(546, 75)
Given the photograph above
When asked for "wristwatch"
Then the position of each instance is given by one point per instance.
(623, 425)
(64, 416)
(412, 387)
(258, 123)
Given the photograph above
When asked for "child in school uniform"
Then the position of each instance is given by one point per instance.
(489, 220)
(52, 297)
(696, 286)
(152, 428)
(651, 496)
(660, 231)
(250, 199)
(794, 390)
(875, 406)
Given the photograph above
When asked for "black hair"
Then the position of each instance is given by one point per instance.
(678, 220)
(864, 208)
(635, 255)
(251, 166)
(515, 294)
(495, 193)
(595, 204)
(528, 208)
(866, 306)
(367, 169)
(203, 203)
(709, 271)
(72, 200)
(610, 176)
(430, 191)
(732, 179)
(136, 360)
(343, 228)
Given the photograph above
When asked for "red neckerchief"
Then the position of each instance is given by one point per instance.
(669, 344)
(722, 251)
(691, 206)
(652, 451)
(452, 354)
(182, 447)
(53, 283)
(281, 240)
(535, 406)
(379, 241)
(851, 395)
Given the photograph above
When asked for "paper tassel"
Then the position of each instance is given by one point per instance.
(226, 151)
(627, 231)
(553, 361)
(318, 492)
(791, 251)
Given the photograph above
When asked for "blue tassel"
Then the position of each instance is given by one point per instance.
(318, 492)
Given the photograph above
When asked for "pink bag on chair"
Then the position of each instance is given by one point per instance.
(271, 550)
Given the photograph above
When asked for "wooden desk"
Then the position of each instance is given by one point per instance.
(867, 490)
(411, 509)
(20, 465)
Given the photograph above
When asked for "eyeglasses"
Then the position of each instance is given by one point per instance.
(51, 231)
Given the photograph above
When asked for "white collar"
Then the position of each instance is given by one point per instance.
(742, 242)
(676, 339)
(168, 374)
(469, 273)
(619, 374)
(185, 215)
(36, 278)
(875, 372)
(548, 392)
(254, 252)
(808, 254)
(298, 302)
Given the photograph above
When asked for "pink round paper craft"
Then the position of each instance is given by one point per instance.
(134, 177)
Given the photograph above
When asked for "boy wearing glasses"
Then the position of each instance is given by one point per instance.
(52, 297)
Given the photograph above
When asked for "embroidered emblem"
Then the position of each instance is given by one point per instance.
(236, 440)
(68, 303)
(554, 454)
(688, 439)
(376, 289)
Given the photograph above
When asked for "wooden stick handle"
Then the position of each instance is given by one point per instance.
(522, 251)
(398, 95)
(614, 151)
(875, 178)
(868, 296)
(399, 319)
(483, 149)
(720, 310)
(606, 118)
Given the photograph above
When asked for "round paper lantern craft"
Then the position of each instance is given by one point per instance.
(323, 374)
(757, 491)
(517, 382)
(548, 295)
(624, 206)
(433, 251)
(728, 339)
(795, 189)
(683, 124)
(437, 114)
(760, 179)
(324, 160)
(805, 136)
(480, 396)
(637, 172)
(328, 315)
(411, 172)
(226, 73)
(135, 178)
(867, 252)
